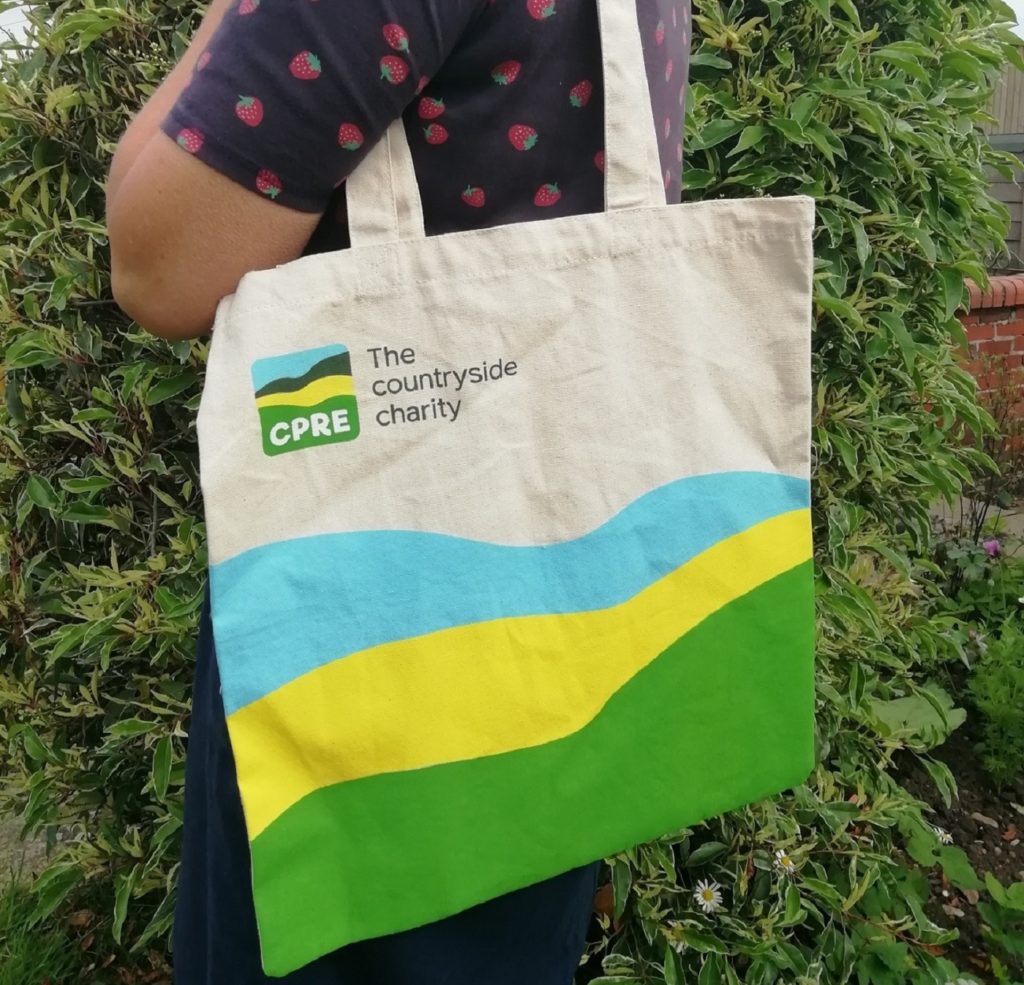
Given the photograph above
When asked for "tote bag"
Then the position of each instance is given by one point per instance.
(509, 537)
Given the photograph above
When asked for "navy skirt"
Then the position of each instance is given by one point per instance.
(534, 935)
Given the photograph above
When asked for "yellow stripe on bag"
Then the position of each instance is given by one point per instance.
(485, 688)
(311, 394)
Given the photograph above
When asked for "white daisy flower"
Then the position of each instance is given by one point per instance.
(708, 895)
(784, 862)
(943, 835)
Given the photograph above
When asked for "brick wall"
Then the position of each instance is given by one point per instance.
(995, 328)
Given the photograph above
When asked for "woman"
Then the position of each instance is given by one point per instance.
(234, 165)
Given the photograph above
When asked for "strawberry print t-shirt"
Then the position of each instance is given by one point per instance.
(502, 102)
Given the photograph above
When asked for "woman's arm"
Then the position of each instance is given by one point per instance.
(233, 161)
(146, 123)
(181, 234)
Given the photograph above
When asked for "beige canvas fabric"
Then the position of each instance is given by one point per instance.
(650, 342)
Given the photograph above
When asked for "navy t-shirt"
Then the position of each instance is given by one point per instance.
(502, 102)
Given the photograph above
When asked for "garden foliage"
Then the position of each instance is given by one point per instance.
(872, 108)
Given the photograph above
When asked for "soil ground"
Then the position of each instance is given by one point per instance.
(989, 826)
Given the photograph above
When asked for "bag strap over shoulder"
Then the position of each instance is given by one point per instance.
(384, 201)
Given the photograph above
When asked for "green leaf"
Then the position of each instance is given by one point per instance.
(52, 888)
(166, 389)
(942, 777)
(716, 132)
(954, 290)
(750, 137)
(129, 727)
(794, 911)
(79, 512)
(823, 889)
(700, 941)
(958, 869)
(162, 768)
(995, 888)
(824, 8)
(92, 483)
(708, 59)
(33, 746)
(710, 972)
(42, 493)
(124, 884)
(803, 108)
(705, 853)
(916, 717)
(695, 179)
(622, 879)
(673, 966)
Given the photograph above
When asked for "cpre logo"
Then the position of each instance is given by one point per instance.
(305, 399)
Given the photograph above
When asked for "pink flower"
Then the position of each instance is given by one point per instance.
(992, 547)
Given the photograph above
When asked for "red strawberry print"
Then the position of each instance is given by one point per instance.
(668, 179)
(305, 65)
(396, 37)
(668, 70)
(204, 60)
(506, 73)
(668, 127)
(679, 152)
(350, 136)
(435, 134)
(682, 94)
(579, 94)
(540, 9)
(249, 110)
(659, 33)
(473, 196)
(547, 195)
(522, 137)
(673, 16)
(393, 69)
(422, 84)
(430, 108)
(268, 183)
(190, 139)
(248, 6)
(599, 161)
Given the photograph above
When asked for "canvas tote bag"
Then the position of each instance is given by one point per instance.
(509, 537)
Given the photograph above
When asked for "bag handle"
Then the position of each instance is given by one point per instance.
(383, 198)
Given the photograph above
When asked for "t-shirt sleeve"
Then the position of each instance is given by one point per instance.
(290, 95)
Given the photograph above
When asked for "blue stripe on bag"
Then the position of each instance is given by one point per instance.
(381, 586)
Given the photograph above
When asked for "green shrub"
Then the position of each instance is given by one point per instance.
(985, 579)
(870, 107)
(997, 689)
(1004, 925)
(32, 952)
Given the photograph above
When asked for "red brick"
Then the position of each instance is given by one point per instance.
(997, 291)
(980, 333)
(969, 319)
(1001, 347)
(1011, 328)
(975, 294)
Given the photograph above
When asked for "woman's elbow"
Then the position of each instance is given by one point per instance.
(144, 296)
